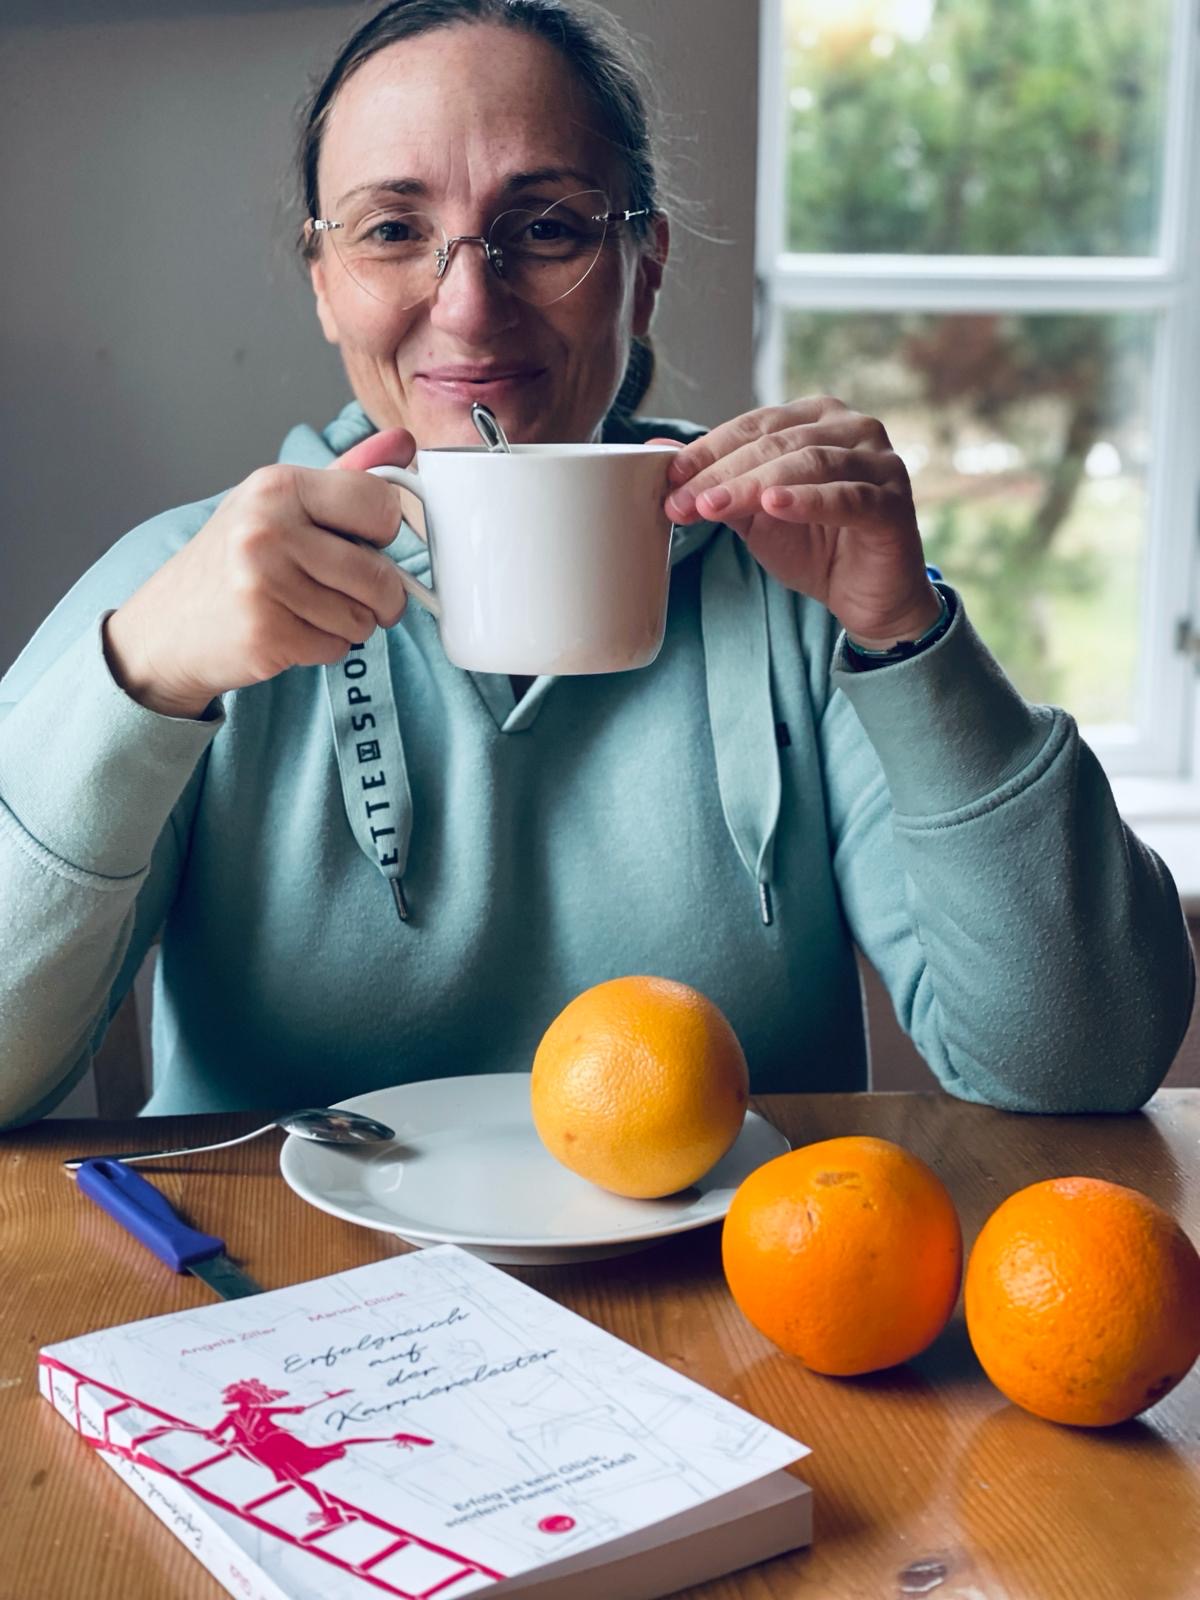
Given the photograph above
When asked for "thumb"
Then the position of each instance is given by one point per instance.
(394, 447)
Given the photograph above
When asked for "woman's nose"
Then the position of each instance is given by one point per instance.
(470, 296)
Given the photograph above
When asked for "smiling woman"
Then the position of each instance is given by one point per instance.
(424, 170)
(233, 724)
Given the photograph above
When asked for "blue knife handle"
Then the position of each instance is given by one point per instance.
(146, 1213)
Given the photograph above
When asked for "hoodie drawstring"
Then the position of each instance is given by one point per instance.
(737, 667)
(371, 764)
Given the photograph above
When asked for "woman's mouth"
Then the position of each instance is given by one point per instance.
(478, 382)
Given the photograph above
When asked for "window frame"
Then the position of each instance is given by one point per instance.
(1163, 740)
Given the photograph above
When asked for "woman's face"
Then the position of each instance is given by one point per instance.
(464, 111)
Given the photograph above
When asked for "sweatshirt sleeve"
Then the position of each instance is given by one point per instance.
(1035, 950)
(95, 800)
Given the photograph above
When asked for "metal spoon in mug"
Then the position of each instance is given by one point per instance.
(490, 430)
(325, 1124)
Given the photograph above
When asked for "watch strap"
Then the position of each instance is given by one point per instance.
(904, 649)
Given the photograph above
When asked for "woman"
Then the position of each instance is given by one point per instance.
(253, 1432)
(733, 816)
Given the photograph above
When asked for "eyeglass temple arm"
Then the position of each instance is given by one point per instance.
(621, 216)
(325, 224)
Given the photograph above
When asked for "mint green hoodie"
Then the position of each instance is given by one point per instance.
(736, 816)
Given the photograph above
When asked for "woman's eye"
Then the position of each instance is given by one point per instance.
(544, 232)
(399, 230)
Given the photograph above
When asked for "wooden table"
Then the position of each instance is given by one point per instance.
(927, 1482)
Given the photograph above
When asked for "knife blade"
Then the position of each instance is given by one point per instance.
(148, 1215)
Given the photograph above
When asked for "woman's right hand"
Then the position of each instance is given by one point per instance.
(267, 583)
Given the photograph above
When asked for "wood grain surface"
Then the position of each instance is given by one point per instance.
(926, 1481)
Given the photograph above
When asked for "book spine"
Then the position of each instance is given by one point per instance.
(186, 1516)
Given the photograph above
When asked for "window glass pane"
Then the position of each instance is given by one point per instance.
(1026, 438)
(994, 127)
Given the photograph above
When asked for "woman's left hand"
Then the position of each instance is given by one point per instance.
(824, 504)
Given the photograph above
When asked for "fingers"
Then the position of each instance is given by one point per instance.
(762, 436)
(846, 430)
(327, 611)
(746, 429)
(394, 447)
(743, 485)
(310, 647)
(277, 637)
(278, 577)
(353, 570)
(870, 507)
(300, 571)
(350, 503)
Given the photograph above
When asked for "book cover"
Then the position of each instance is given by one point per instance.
(423, 1426)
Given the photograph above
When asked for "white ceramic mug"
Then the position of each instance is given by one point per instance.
(553, 559)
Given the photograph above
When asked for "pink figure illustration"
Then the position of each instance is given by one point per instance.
(255, 1434)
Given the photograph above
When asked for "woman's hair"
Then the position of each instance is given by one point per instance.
(598, 51)
(252, 1389)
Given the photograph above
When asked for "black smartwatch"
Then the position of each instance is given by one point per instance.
(863, 659)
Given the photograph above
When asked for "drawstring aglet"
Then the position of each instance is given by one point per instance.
(398, 896)
(764, 903)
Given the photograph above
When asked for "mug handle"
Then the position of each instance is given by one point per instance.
(411, 482)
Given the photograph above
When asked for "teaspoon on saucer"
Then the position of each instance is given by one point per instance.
(325, 1124)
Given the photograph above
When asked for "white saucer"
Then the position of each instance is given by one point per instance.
(468, 1168)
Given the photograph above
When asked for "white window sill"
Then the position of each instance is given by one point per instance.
(1165, 814)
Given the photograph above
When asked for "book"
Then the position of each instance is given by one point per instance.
(427, 1426)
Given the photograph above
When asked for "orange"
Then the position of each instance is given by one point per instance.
(640, 1085)
(1083, 1301)
(846, 1253)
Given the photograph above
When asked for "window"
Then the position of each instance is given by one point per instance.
(978, 221)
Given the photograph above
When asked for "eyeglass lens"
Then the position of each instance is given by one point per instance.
(541, 252)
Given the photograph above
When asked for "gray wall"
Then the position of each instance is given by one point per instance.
(159, 340)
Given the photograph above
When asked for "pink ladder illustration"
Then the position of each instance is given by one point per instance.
(349, 1537)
